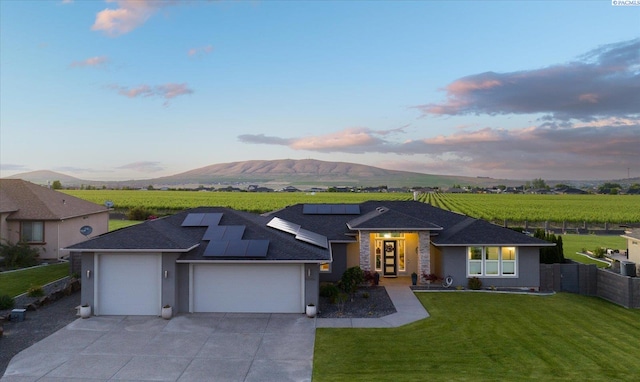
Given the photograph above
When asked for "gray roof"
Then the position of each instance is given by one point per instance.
(168, 235)
(447, 228)
(632, 234)
(29, 201)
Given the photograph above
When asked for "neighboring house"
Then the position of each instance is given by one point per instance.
(633, 247)
(47, 219)
(214, 259)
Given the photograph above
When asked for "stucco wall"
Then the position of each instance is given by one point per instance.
(633, 248)
(454, 263)
(311, 284)
(87, 280)
(339, 264)
(170, 282)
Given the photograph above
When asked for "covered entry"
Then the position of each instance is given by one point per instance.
(248, 288)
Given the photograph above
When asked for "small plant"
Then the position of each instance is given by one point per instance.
(139, 213)
(329, 291)
(6, 302)
(475, 283)
(35, 291)
(493, 287)
(341, 299)
(459, 287)
(365, 294)
(599, 252)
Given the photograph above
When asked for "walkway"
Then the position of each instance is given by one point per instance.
(408, 309)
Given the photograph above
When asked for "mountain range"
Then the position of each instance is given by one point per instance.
(278, 173)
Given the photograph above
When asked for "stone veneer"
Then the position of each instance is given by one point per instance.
(424, 255)
(365, 250)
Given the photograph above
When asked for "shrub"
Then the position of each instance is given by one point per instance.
(475, 283)
(140, 213)
(372, 277)
(365, 294)
(330, 291)
(35, 291)
(18, 255)
(599, 252)
(351, 278)
(6, 302)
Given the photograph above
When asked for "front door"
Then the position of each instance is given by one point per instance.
(390, 266)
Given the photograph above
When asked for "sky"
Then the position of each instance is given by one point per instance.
(123, 89)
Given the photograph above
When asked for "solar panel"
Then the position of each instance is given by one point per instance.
(312, 238)
(283, 225)
(257, 248)
(237, 248)
(331, 209)
(192, 220)
(211, 219)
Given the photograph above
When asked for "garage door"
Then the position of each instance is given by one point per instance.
(128, 284)
(248, 288)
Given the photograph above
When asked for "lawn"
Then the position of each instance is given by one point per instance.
(489, 336)
(115, 224)
(16, 283)
(575, 243)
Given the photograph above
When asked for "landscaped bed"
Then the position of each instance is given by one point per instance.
(489, 336)
(371, 302)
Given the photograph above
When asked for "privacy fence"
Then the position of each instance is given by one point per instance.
(587, 279)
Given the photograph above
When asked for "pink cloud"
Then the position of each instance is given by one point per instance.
(200, 51)
(166, 91)
(129, 15)
(92, 61)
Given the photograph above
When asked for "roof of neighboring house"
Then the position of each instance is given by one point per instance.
(633, 234)
(169, 235)
(446, 227)
(29, 201)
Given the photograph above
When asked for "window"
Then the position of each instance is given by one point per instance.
(325, 267)
(32, 232)
(491, 261)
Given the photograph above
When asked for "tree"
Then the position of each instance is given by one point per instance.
(539, 183)
(18, 255)
(550, 255)
(56, 185)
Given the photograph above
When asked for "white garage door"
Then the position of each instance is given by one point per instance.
(248, 288)
(128, 284)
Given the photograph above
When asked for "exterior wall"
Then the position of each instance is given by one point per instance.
(5, 228)
(87, 280)
(622, 290)
(69, 233)
(58, 234)
(339, 264)
(170, 279)
(182, 288)
(311, 284)
(353, 255)
(633, 251)
(454, 264)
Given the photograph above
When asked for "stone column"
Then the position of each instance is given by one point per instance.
(424, 254)
(365, 250)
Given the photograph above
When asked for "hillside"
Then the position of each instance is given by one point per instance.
(306, 172)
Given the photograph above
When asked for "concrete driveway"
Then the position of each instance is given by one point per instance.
(193, 347)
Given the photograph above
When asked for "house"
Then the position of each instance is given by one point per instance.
(214, 259)
(47, 219)
(633, 247)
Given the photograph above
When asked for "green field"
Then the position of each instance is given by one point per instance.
(572, 243)
(246, 201)
(490, 337)
(518, 208)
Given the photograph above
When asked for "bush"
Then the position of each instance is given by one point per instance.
(351, 278)
(6, 302)
(475, 283)
(599, 252)
(329, 291)
(140, 213)
(35, 291)
(18, 255)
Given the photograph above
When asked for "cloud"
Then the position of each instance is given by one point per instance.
(129, 15)
(92, 61)
(13, 167)
(166, 91)
(601, 83)
(202, 51)
(142, 166)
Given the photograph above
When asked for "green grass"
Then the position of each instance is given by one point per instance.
(115, 224)
(489, 337)
(575, 243)
(16, 283)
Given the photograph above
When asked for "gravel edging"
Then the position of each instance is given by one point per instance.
(377, 304)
